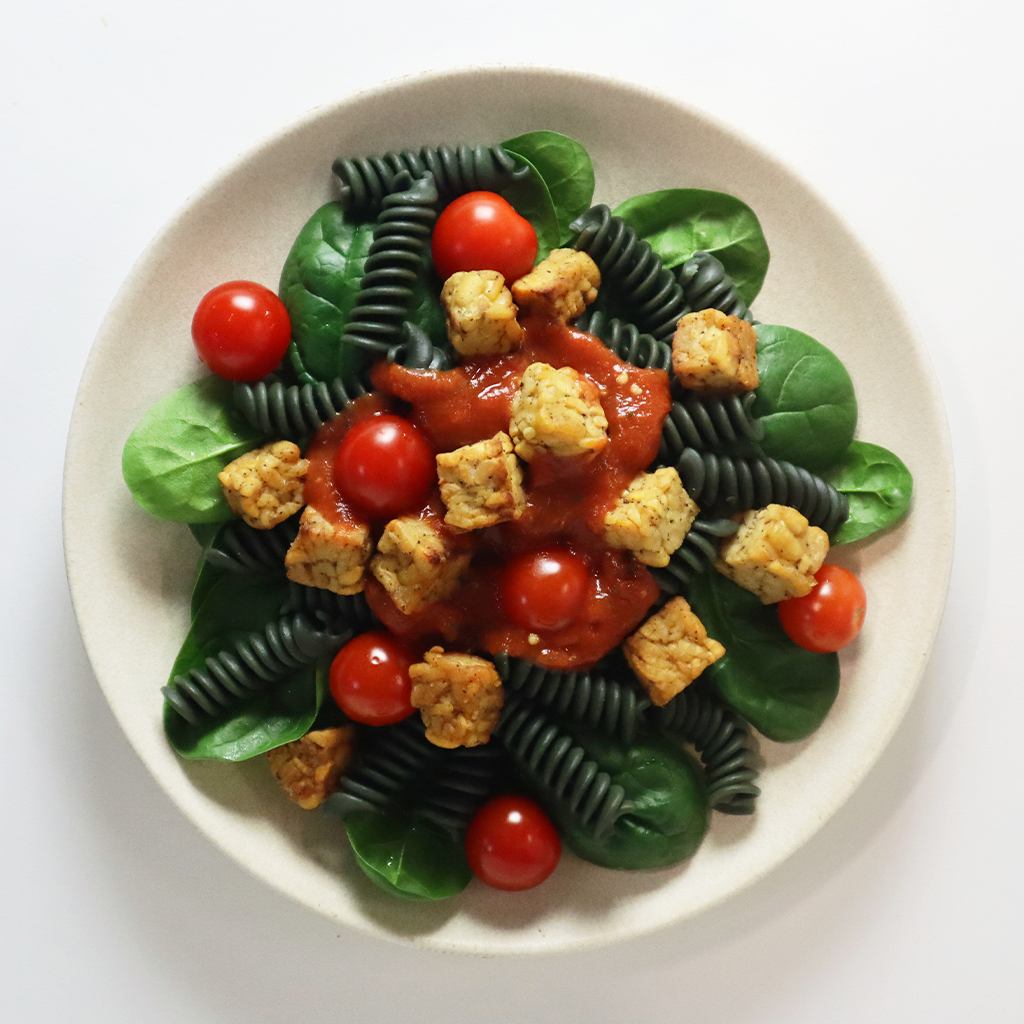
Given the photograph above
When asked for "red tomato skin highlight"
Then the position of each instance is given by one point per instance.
(385, 466)
(241, 330)
(543, 590)
(511, 844)
(830, 616)
(369, 679)
(483, 231)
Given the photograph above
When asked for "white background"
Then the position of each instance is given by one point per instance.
(906, 906)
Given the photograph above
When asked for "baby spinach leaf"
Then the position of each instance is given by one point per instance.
(782, 690)
(668, 814)
(171, 459)
(231, 606)
(319, 284)
(878, 486)
(407, 856)
(805, 399)
(678, 222)
(562, 167)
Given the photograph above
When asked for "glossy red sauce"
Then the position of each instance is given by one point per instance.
(567, 498)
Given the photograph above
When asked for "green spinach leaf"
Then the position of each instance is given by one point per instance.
(666, 790)
(878, 486)
(231, 606)
(560, 188)
(805, 399)
(678, 222)
(171, 459)
(407, 856)
(782, 690)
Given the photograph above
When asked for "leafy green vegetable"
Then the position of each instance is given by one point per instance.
(668, 817)
(560, 186)
(407, 856)
(171, 459)
(878, 486)
(805, 399)
(782, 690)
(232, 606)
(320, 284)
(678, 222)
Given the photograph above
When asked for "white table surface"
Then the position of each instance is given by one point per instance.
(906, 905)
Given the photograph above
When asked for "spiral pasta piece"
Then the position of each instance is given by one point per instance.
(351, 609)
(706, 285)
(592, 699)
(467, 778)
(634, 268)
(396, 259)
(240, 548)
(398, 757)
(626, 340)
(295, 411)
(552, 759)
(721, 740)
(367, 181)
(252, 665)
(714, 422)
(694, 556)
(729, 484)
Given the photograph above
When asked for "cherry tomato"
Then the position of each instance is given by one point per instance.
(369, 679)
(481, 231)
(544, 589)
(385, 466)
(830, 616)
(241, 330)
(511, 844)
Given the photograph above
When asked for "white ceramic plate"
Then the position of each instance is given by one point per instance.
(130, 573)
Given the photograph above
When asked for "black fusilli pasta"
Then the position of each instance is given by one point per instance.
(626, 340)
(396, 260)
(366, 181)
(466, 779)
(351, 609)
(721, 740)
(631, 266)
(706, 285)
(713, 423)
(251, 665)
(241, 548)
(592, 699)
(694, 556)
(552, 759)
(726, 484)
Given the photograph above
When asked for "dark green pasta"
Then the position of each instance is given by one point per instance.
(397, 758)
(295, 411)
(551, 759)
(592, 699)
(726, 484)
(366, 181)
(714, 423)
(721, 740)
(626, 340)
(395, 263)
(241, 548)
(694, 556)
(629, 265)
(468, 776)
(251, 665)
(706, 285)
(351, 609)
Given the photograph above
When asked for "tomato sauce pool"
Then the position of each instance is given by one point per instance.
(567, 498)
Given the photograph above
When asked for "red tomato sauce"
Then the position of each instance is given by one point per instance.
(567, 498)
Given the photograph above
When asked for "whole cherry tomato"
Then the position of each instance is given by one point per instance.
(830, 616)
(385, 466)
(482, 231)
(511, 844)
(369, 679)
(241, 330)
(544, 590)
